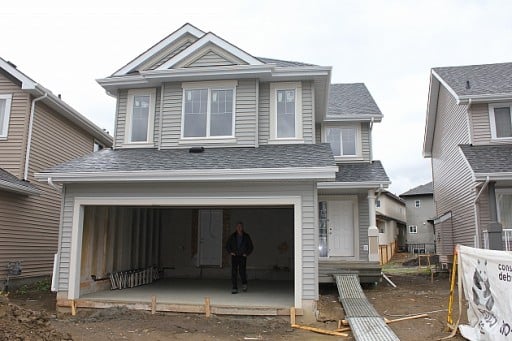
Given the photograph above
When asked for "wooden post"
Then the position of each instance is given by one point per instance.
(292, 316)
(207, 309)
(153, 305)
(73, 308)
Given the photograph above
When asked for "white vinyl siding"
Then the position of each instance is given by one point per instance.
(480, 124)
(139, 126)
(5, 113)
(501, 121)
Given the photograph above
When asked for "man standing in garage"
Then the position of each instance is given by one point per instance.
(239, 246)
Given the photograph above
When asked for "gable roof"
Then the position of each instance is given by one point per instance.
(10, 183)
(393, 197)
(352, 102)
(426, 189)
(283, 63)
(267, 161)
(489, 161)
(56, 103)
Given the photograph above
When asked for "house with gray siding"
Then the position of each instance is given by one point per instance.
(38, 130)
(207, 135)
(468, 137)
(418, 235)
(390, 222)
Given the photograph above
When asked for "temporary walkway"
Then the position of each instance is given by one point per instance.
(363, 319)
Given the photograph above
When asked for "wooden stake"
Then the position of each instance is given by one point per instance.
(207, 310)
(153, 305)
(73, 308)
(406, 318)
(292, 316)
(319, 330)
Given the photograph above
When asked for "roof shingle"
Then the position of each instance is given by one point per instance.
(488, 158)
(11, 183)
(419, 190)
(362, 172)
(351, 101)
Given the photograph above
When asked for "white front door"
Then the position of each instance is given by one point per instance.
(210, 237)
(340, 228)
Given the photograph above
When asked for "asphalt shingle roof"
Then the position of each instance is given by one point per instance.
(9, 181)
(420, 190)
(266, 156)
(361, 172)
(351, 101)
(487, 79)
(489, 158)
(283, 63)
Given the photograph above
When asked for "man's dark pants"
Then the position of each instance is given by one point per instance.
(238, 265)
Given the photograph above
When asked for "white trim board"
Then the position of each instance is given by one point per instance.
(80, 202)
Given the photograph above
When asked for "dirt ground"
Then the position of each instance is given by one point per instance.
(415, 294)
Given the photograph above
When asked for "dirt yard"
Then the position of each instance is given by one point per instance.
(31, 316)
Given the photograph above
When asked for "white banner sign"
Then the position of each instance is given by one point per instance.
(487, 282)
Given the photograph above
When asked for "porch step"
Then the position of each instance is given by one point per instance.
(367, 272)
(364, 321)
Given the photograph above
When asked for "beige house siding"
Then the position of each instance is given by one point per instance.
(480, 125)
(210, 58)
(453, 185)
(13, 148)
(30, 224)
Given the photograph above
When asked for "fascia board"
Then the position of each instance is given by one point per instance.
(352, 185)
(493, 176)
(288, 173)
(431, 115)
(26, 82)
(485, 98)
(187, 28)
(377, 118)
(8, 186)
(450, 90)
(206, 39)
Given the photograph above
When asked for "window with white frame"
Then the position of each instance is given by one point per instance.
(413, 229)
(343, 140)
(140, 116)
(417, 203)
(208, 109)
(377, 203)
(501, 120)
(285, 111)
(5, 113)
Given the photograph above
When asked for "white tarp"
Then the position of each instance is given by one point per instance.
(487, 283)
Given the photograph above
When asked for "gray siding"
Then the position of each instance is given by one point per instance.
(480, 125)
(453, 185)
(418, 216)
(305, 190)
(210, 59)
(365, 140)
(122, 102)
(364, 223)
(308, 127)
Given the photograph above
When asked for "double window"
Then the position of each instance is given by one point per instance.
(208, 109)
(285, 112)
(501, 120)
(140, 118)
(343, 140)
(413, 229)
(417, 203)
(5, 112)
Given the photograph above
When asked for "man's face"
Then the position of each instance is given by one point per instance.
(239, 228)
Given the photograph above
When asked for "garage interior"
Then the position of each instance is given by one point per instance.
(185, 247)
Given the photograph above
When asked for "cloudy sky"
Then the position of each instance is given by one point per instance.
(389, 45)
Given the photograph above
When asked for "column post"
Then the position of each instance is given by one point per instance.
(373, 231)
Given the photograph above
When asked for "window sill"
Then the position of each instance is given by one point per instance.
(501, 140)
(286, 141)
(137, 145)
(207, 140)
(348, 158)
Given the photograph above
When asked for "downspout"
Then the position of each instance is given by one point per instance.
(30, 127)
(475, 207)
(160, 123)
(370, 138)
(257, 133)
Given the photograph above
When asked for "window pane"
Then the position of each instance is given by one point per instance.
(2, 116)
(503, 123)
(285, 113)
(348, 136)
(140, 118)
(195, 113)
(333, 137)
(505, 209)
(221, 120)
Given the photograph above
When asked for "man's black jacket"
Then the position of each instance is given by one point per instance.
(245, 247)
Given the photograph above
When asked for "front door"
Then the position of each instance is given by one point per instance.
(210, 237)
(340, 228)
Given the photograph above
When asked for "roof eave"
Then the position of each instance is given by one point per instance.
(285, 173)
(367, 118)
(484, 98)
(492, 176)
(12, 187)
(353, 185)
(433, 94)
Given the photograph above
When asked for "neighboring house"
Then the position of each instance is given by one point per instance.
(207, 135)
(37, 130)
(418, 236)
(390, 220)
(468, 138)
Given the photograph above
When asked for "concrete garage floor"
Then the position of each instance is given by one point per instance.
(262, 298)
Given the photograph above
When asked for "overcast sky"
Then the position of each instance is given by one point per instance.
(388, 45)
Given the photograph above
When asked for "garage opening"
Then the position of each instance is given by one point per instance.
(182, 249)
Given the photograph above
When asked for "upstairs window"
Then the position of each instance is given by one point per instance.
(140, 116)
(413, 229)
(343, 141)
(285, 112)
(501, 121)
(417, 203)
(208, 111)
(5, 113)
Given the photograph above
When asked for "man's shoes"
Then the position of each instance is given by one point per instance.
(234, 291)
(244, 287)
